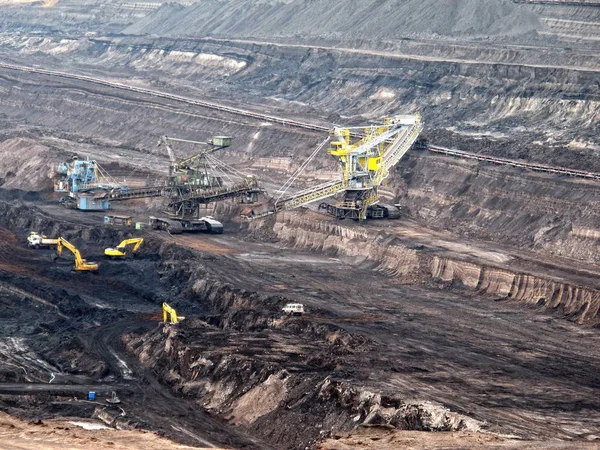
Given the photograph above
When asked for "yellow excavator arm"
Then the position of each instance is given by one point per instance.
(80, 263)
(170, 312)
(120, 251)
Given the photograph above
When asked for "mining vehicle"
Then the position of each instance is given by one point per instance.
(169, 313)
(364, 165)
(113, 219)
(194, 171)
(377, 211)
(175, 225)
(121, 250)
(294, 309)
(36, 240)
(85, 181)
(81, 265)
(192, 182)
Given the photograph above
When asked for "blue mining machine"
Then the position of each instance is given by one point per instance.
(192, 183)
(85, 182)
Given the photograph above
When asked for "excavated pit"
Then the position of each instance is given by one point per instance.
(355, 359)
(408, 327)
(473, 316)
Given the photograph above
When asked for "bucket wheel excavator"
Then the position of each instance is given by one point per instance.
(192, 183)
(364, 165)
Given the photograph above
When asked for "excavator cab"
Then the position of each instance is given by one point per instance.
(121, 250)
(81, 265)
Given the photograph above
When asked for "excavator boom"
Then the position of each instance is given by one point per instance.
(170, 313)
(121, 250)
(217, 143)
(81, 265)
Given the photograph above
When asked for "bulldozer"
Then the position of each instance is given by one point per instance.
(121, 250)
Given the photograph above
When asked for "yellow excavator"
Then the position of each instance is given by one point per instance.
(120, 251)
(80, 263)
(170, 312)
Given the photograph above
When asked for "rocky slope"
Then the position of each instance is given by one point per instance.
(543, 91)
(400, 253)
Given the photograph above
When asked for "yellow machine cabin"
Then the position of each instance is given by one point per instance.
(80, 263)
(121, 250)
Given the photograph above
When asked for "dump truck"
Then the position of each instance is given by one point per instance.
(37, 240)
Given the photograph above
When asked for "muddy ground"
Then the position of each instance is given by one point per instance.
(474, 316)
(378, 346)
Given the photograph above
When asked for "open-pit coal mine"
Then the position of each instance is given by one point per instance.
(294, 224)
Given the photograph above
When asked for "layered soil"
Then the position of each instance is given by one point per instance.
(471, 319)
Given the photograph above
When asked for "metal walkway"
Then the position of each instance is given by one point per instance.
(305, 196)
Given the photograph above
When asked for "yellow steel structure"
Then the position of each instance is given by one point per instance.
(367, 162)
(169, 313)
(364, 165)
(80, 263)
(121, 250)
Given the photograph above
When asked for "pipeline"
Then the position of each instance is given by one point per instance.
(513, 163)
(295, 123)
(160, 94)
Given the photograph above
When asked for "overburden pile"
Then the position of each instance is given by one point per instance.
(340, 19)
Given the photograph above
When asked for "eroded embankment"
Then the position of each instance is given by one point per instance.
(267, 373)
(235, 354)
(387, 253)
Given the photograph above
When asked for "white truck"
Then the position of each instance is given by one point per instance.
(36, 240)
(294, 309)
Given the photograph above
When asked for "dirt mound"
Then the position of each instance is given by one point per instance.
(26, 165)
(381, 438)
(75, 435)
(341, 19)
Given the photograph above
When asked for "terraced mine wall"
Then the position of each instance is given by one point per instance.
(515, 87)
(221, 362)
(410, 263)
(532, 102)
(498, 204)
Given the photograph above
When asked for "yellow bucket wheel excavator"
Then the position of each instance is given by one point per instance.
(121, 250)
(81, 265)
